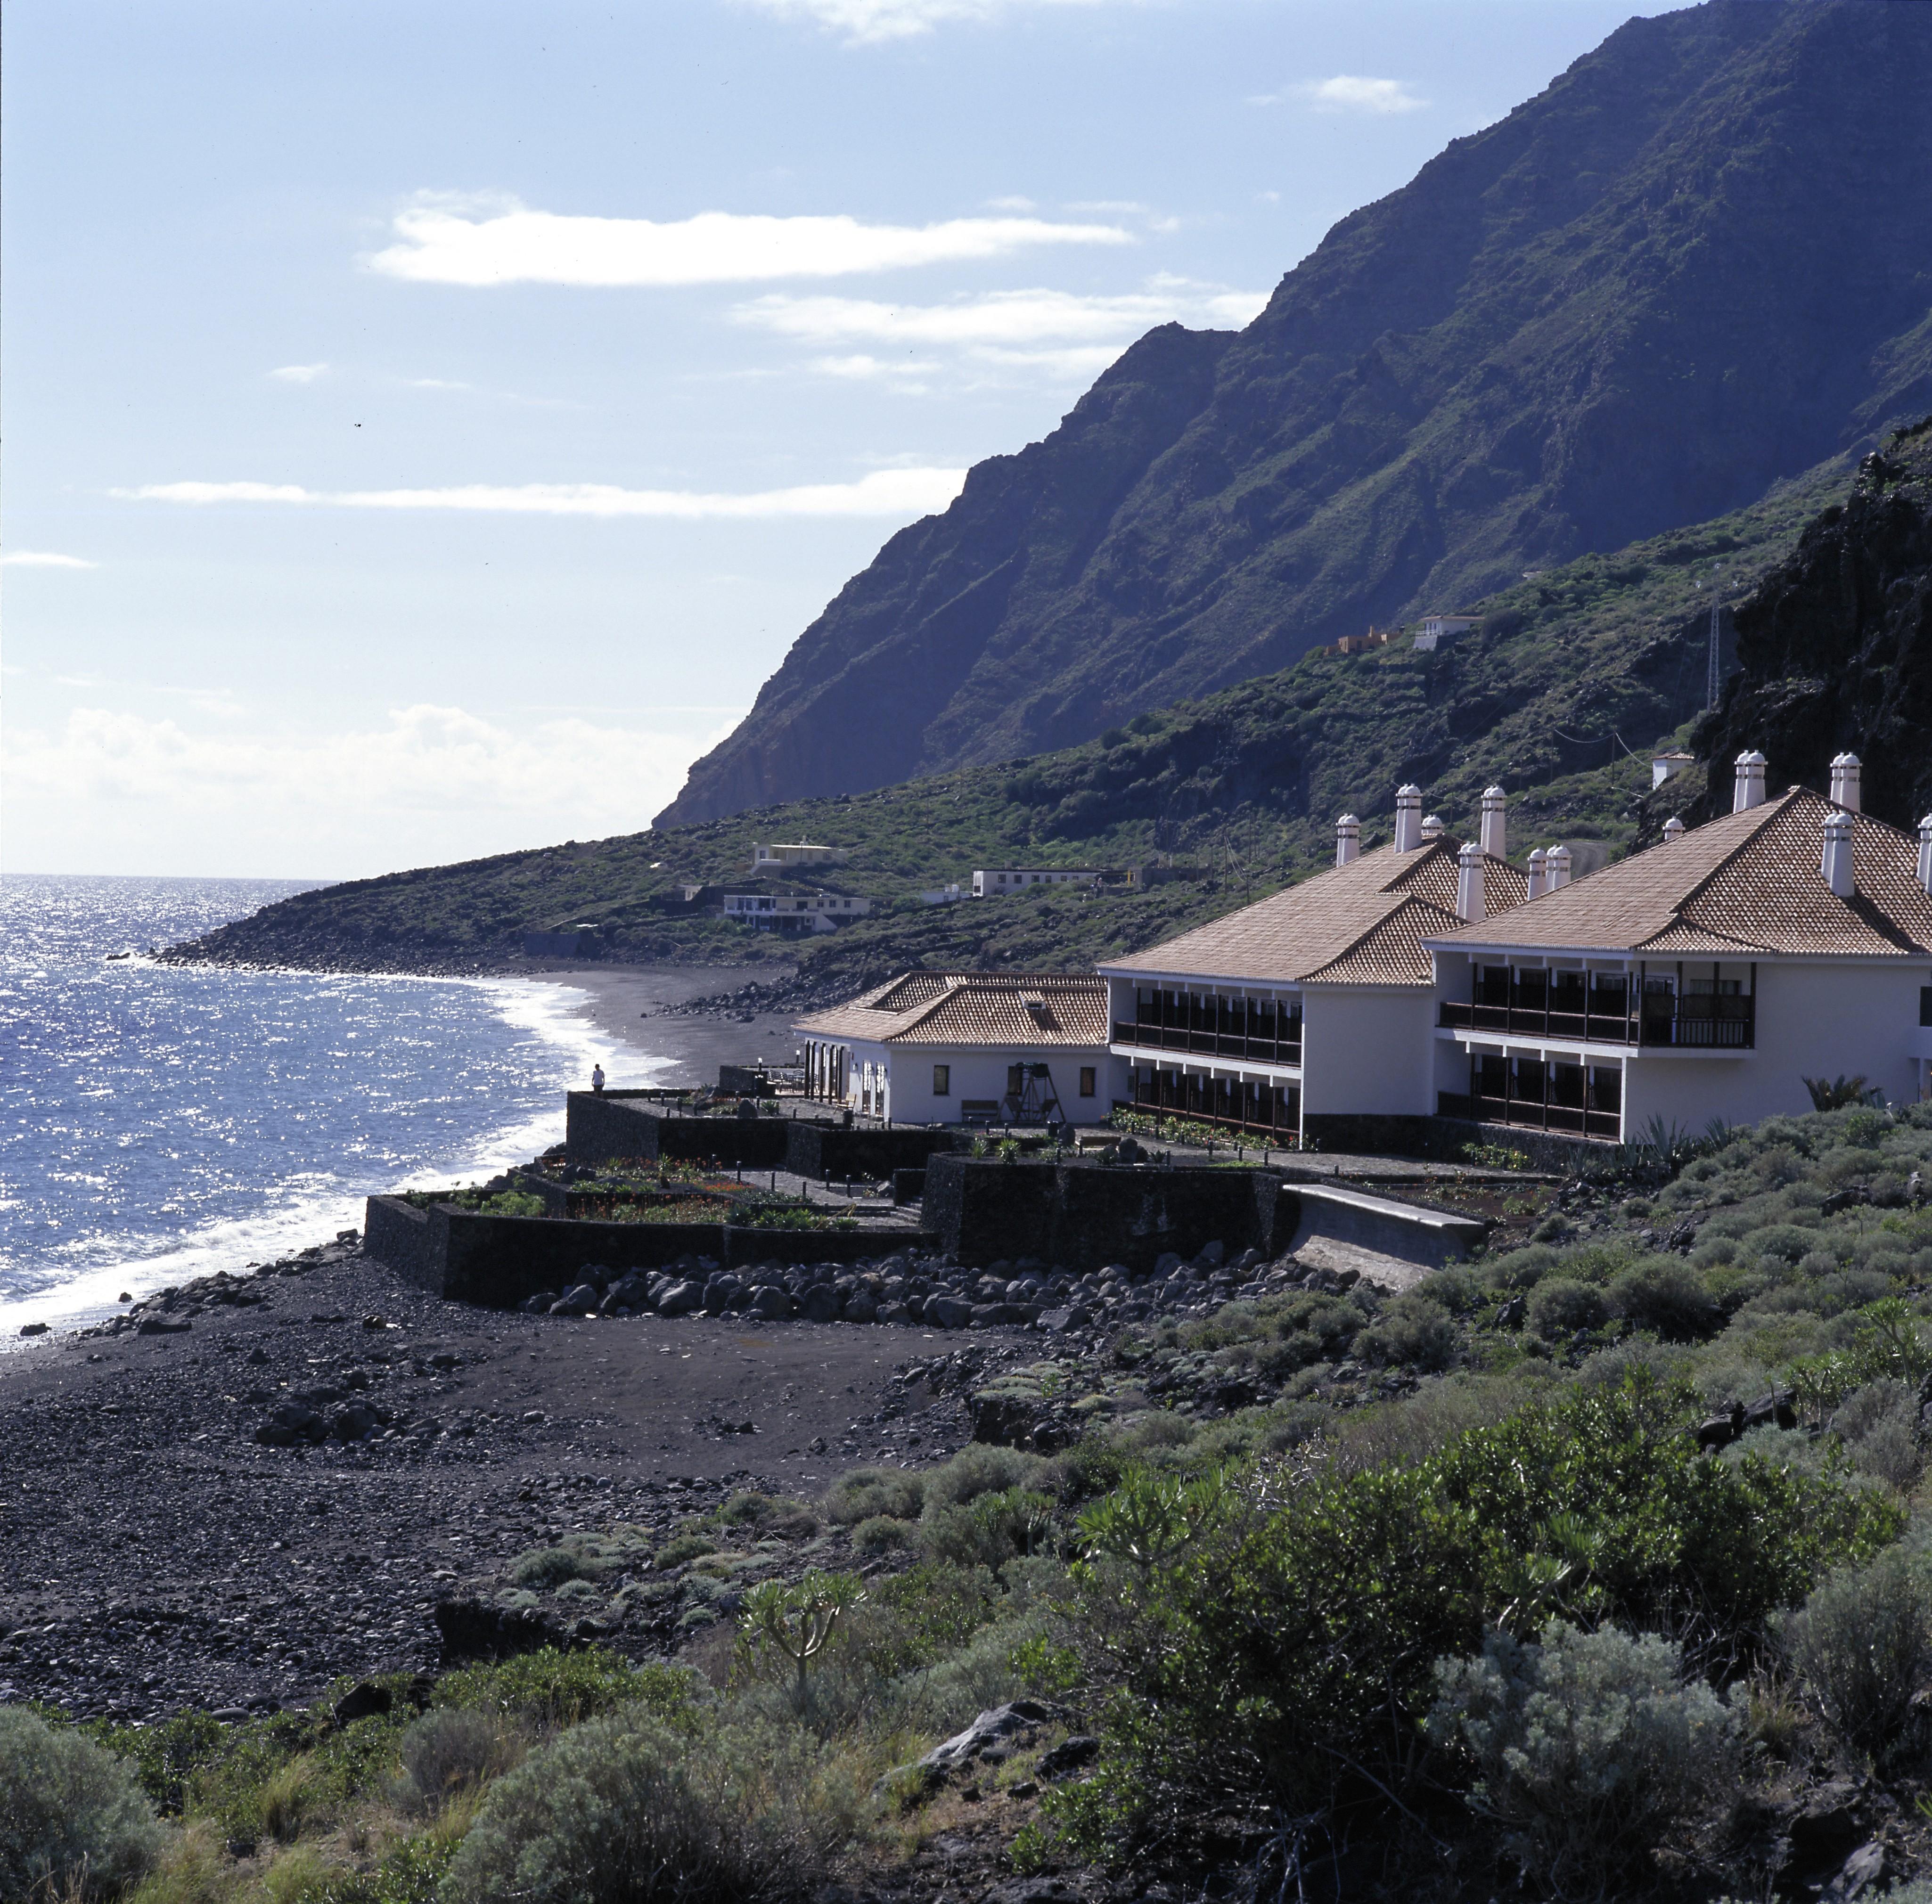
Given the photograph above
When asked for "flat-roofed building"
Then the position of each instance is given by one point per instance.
(781, 857)
(795, 912)
(996, 881)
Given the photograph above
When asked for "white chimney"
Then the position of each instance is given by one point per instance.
(1846, 772)
(1836, 865)
(1348, 840)
(1749, 791)
(1536, 886)
(1494, 835)
(1408, 819)
(1469, 883)
(1925, 853)
(1556, 869)
(1673, 830)
(1432, 828)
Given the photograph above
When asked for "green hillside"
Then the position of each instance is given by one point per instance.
(1574, 674)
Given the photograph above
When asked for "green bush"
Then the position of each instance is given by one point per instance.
(73, 1822)
(1662, 1294)
(615, 1811)
(1559, 1306)
(881, 1534)
(681, 1547)
(451, 1750)
(547, 1690)
(1586, 1748)
(1862, 1646)
(547, 1567)
(978, 1469)
(1411, 1330)
(1878, 1425)
(1272, 1645)
(989, 1530)
(865, 1493)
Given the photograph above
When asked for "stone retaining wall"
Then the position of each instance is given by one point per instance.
(1443, 1139)
(823, 1150)
(598, 1126)
(497, 1261)
(1085, 1215)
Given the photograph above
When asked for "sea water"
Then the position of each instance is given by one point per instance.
(159, 1121)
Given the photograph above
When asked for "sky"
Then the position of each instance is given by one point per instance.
(428, 425)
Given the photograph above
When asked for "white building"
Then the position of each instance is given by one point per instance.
(995, 883)
(1669, 766)
(965, 1047)
(782, 858)
(1707, 977)
(794, 912)
(1319, 1000)
(1436, 629)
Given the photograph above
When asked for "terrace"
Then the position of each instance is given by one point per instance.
(1669, 1010)
(1212, 1024)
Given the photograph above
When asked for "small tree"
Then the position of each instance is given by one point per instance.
(1840, 1093)
(800, 1619)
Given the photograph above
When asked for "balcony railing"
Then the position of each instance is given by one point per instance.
(1208, 1044)
(1728, 1023)
(1525, 1114)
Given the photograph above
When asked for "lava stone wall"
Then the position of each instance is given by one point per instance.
(823, 1150)
(1443, 1139)
(1085, 1215)
(600, 1126)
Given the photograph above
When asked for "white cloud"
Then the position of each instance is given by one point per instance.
(1014, 202)
(1351, 92)
(300, 372)
(1056, 334)
(42, 558)
(896, 19)
(420, 761)
(447, 242)
(906, 493)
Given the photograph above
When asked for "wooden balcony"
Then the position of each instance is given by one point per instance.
(1728, 1023)
(1207, 1044)
(1525, 1114)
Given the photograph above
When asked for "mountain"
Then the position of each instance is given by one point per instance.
(1558, 694)
(1699, 262)
(1835, 648)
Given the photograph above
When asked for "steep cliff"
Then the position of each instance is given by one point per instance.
(1835, 648)
(1699, 262)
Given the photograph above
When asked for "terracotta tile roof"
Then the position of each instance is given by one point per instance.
(1362, 923)
(972, 1008)
(1743, 885)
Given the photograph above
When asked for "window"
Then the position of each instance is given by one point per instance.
(942, 1081)
(1925, 1004)
(1088, 1074)
(1016, 1079)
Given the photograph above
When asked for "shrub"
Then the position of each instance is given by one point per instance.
(1558, 1306)
(989, 1530)
(1586, 1748)
(1412, 1331)
(1662, 1294)
(73, 1821)
(680, 1549)
(1878, 1425)
(865, 1493)
(616, 1809)
(548, 1689)
(452, 1750)
(546, 1567)
(1861, 1644)
(880, 1534)
(978, 1469)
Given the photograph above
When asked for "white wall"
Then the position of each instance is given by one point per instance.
(1813, 1021)
(982, 1074)
(1368, 1053)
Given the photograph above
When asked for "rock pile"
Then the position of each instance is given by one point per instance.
(934, 1291)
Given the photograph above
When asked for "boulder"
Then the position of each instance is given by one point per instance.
(364, 1700)
(946, 1312)
(580, 1299)
(33, 1328)
(539, 1304)
(356, 1423)
(896, 1312)
(990, 1729)
(292, 1424)
(681, 1298)
(1209, 1255)
(990, 1316)
(820, 1304)
(771, 1304)
(860, 1306)
(162, 1325)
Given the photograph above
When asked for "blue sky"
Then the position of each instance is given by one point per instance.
(428, 425)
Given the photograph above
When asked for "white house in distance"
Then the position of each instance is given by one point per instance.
(1436, 629)
(794, 912)
(782, 858)
(996, 881)
(944, 1048)
(1707, 977)
(1320, 999)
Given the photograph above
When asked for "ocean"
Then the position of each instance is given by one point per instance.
(159, 1123)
